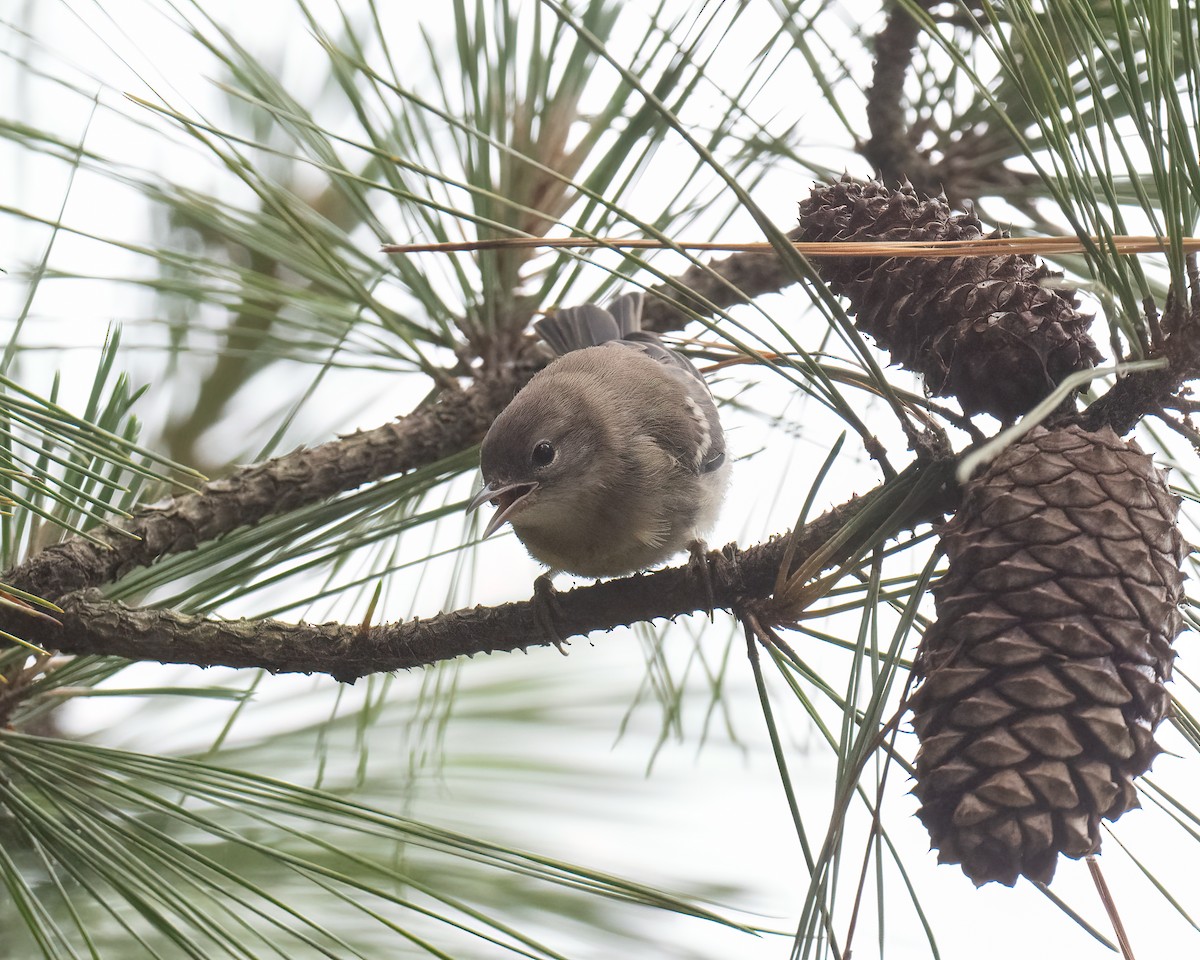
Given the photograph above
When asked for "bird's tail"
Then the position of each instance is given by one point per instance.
(575, 328)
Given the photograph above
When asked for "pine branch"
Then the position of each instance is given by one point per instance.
(93, 625)
(892, 149)
(737, 279)
(965, 168)
(1176, 335)
(457, 420)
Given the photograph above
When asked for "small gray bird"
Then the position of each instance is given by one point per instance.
(612, 458)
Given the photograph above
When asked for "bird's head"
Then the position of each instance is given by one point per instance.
(542, 459)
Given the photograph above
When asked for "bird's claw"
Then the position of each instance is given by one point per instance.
(699, 569)
(548, 610)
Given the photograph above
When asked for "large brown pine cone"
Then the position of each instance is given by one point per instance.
(1042, 679)
(986, 330)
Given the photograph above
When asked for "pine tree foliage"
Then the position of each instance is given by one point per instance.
(196, 290)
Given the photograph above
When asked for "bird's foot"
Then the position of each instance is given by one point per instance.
(548, 610)
(700, 571)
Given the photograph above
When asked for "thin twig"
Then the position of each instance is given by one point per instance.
(1181, 427)
(984, 247)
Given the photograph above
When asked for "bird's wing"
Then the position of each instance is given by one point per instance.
(703, 411)
(705, 442)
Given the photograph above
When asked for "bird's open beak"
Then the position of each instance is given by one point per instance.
(509, 498)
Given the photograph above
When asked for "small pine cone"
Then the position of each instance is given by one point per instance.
(1042, 678)
(986, 330)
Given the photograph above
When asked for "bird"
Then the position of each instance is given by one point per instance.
(611, 459)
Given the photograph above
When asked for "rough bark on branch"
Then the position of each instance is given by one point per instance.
(93, 625)
(891, 148)
(739, 278)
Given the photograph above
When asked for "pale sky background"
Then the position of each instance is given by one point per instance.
(713, 811)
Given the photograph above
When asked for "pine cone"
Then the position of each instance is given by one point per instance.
(983, 329)
(1043, 675)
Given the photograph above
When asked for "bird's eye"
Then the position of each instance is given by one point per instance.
(543, 453)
